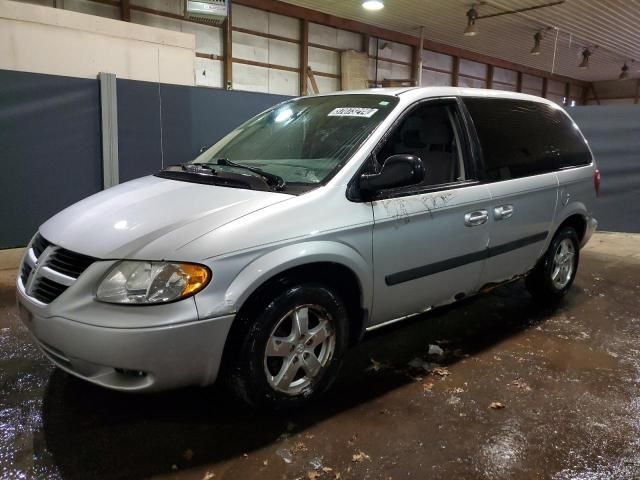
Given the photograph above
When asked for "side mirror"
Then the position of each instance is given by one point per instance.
(397, 171)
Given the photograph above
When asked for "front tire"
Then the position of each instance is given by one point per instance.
(554, 274)
(292, 347)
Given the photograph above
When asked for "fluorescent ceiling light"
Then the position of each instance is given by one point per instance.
(373, 4)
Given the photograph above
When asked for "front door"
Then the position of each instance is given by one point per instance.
(429, 240)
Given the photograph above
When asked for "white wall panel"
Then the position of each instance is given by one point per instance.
(531, 82)
(284, 53)
(249, 77)
(250, 47)
(327, 85)
(63, 42)
(325, 61)
(250, 18)
(504, 75)
(437, 60)
(475, 69)
(471, 82)
(435, 79)
(348, 40)
(208, 73)
(283, 26)
(323, 35)
(156, 21)
(553, 86)
(283, 82)
(208, 38)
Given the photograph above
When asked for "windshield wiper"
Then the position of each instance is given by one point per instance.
(277, 181)
(200, 168)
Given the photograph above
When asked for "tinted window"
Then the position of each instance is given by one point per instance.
(520, 138)
(429, 133)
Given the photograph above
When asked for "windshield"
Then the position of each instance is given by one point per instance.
(304, 141)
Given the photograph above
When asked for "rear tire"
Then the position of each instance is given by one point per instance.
(292, 347)
(554, 274)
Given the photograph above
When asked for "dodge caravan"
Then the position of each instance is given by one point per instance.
(263, 259)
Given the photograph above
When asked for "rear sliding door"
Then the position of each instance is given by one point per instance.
(519, 162)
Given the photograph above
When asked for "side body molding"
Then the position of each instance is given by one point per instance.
(277, 261)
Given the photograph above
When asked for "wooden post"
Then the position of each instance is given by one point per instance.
(519, 82)
(489, 76)
(456, 71)
(227, 48)
(125, 10)
(312, 78)
(567, 93)
(637, 99)
(304, 56)
(545, 87)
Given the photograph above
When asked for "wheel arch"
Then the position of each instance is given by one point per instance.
(335, 264)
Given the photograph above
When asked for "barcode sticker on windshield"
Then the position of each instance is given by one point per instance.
(352, 112)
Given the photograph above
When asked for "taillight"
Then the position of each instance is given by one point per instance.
(596, 181)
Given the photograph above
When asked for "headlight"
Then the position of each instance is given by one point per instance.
(141, 283)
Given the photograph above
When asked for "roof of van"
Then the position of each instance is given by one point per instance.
(426, 92)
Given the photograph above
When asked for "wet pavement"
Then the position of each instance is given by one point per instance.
(563, 384)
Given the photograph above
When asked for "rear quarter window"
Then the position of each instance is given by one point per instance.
(520, 138)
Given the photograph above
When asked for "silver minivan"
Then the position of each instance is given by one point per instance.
(268, 255)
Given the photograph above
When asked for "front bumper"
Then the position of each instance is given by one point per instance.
(131, 359)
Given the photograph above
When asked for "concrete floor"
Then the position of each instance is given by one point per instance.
(568, 380)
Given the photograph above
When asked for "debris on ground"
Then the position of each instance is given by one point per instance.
(435, 350)
(174, 467)
(496, 405)
(375, 365)
(208, 475)
(360, 457)
(285, 455)
(440, 371)
(521, 385)
(313, 475)
(299, 447)
(427, 386)
(265, 463)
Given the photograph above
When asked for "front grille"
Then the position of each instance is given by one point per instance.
(69, 263)
(44, 286)
(46, 290)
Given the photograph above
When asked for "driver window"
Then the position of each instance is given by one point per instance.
(429, 132)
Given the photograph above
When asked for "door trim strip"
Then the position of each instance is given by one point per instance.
(455, 262)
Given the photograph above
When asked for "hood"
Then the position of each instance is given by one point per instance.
(151, 217)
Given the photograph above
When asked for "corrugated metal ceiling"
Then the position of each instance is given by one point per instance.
(612, 25)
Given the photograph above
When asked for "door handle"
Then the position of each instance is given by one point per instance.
(478, 217)
(502, 212)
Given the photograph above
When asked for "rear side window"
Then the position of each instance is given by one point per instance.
(520, 138)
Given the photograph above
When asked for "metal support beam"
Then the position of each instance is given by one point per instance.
(490, 76)
(125, 10)
(637, 99)
(456, 71)
(109, 124)
(545, 87)
(417, 60)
